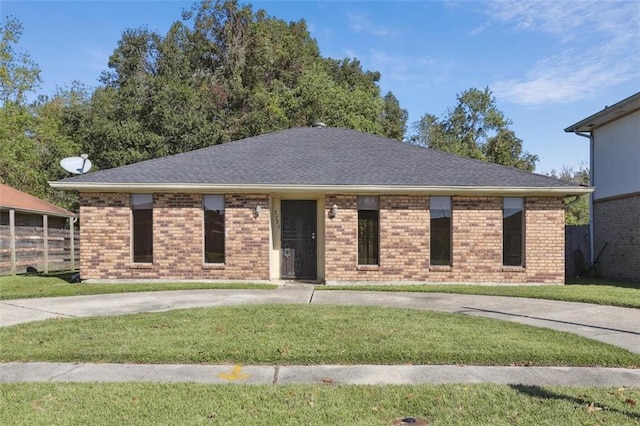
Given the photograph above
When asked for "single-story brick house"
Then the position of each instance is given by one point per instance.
(322, 204)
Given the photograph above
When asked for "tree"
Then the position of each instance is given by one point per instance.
(577, 208)
(32, 142)
(474, 128)
(394, 118)
(18, 73)
(225, 72)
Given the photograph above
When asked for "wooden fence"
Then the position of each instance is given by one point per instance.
(44, 249)
(577, 250)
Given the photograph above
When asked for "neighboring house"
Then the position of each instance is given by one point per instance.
(33, 232)
(614, 135)
(29, 210)
(322, 204)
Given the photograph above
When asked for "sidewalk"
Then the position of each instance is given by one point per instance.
(14, 372)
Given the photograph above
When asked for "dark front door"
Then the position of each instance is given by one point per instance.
(299, 248)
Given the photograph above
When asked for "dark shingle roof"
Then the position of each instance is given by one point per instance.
(318, 156)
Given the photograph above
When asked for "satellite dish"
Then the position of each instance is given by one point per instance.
(76, 165)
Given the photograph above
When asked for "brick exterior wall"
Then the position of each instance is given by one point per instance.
(616, 222)
(105, 238)
(477, 241)
(404, 240)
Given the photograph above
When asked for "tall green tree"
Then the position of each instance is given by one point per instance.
(32, 140)
(19, 74)
(577, 208)
(223, 73)
(474, 128)
(394, 118)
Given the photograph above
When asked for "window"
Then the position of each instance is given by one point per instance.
(513, 232)
(368, 231)
(213, 228)
(440, 212)
(142, 209)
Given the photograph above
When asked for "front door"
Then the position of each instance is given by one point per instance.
(299, 247)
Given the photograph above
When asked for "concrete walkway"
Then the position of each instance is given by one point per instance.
(613, 325)
(14, 372)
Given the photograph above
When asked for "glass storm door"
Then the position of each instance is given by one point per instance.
(299, 248)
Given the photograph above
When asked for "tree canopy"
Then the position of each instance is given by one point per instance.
(224, 72)
(474, 128)
(32, 141)
(577, 208)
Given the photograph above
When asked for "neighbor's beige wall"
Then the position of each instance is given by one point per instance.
(105, 238)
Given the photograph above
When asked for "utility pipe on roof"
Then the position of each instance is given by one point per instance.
(591, 244)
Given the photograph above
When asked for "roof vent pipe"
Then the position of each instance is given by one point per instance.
(319, 124)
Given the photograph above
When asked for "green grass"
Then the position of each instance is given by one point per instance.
(196, 404)
(303, 334)
(28, 286)
(587, 291)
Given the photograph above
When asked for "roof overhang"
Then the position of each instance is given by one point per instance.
(607, 115)
(332, 189)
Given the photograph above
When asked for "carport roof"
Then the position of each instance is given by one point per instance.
(13, 199)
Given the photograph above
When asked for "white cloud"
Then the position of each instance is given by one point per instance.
(598, 43)
(563, 80)
(417, 71)
(478, 29)
(362, 23)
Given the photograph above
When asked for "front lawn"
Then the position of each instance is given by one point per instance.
(584, 290)
(184, 403)
(28, 286)
(303, 334)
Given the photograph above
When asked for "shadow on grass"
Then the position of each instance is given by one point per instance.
(69, 276)
(541, 393)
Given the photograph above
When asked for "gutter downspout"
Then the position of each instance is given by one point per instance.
(591, 244)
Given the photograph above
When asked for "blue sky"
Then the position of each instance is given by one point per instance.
(549, 64)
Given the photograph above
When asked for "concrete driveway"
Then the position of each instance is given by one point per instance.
(617, 326)
(613, 325)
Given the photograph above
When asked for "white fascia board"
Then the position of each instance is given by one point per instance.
(329, 189)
